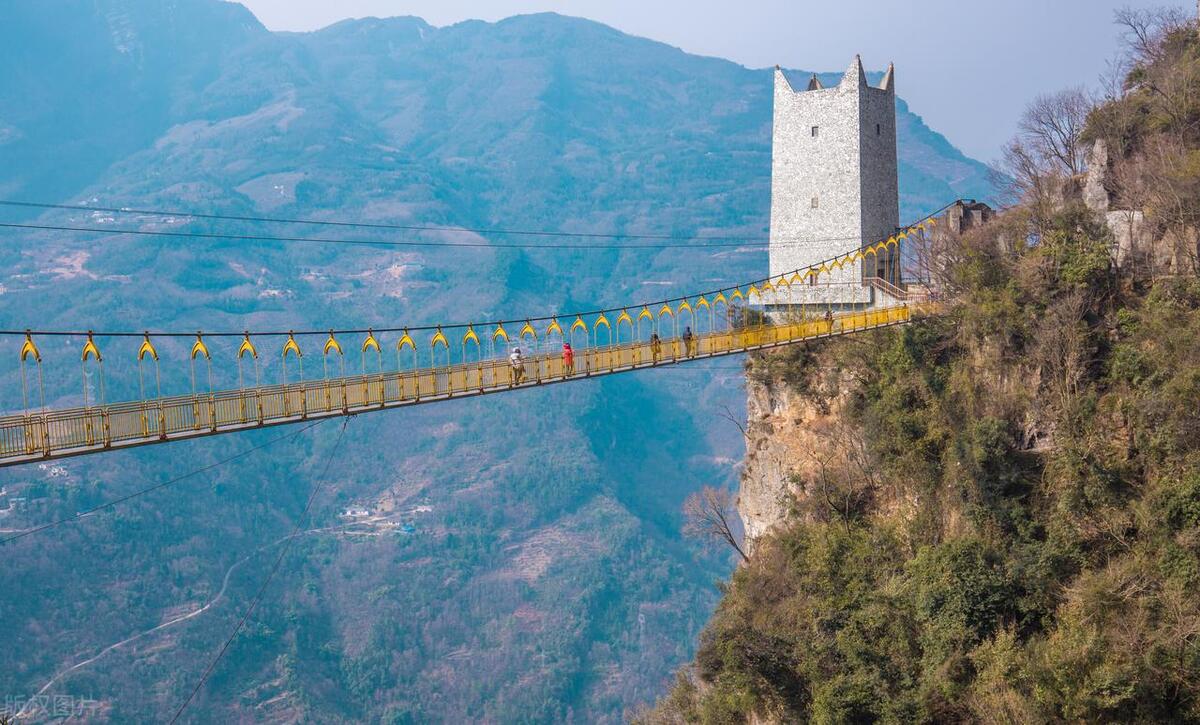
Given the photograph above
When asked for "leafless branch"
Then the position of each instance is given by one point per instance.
(707, 515)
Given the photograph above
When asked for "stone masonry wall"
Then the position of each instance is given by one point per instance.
(834, 189)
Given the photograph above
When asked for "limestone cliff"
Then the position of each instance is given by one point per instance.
(790, 438)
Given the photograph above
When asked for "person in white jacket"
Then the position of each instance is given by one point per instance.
(518, 366)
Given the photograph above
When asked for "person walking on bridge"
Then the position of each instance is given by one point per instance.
(689, 341)
(518, 366)
(655, 347)
(568, 359)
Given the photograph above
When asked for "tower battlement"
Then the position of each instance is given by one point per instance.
(834, 179)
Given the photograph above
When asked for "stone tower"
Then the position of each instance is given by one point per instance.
(833, 177)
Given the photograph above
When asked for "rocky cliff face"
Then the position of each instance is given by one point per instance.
(791, 437)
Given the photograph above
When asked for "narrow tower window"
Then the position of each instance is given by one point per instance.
(816, 202)
(816, 131)
(878, 130)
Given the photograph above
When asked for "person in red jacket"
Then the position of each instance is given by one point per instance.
(568, 359)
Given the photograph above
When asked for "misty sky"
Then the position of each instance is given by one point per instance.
(967, 66)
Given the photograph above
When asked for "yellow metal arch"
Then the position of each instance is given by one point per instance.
(871, 251)
(702, 302)
(666, 310)
(470, 336)
(332, 344)
(499, 334)
(405, 339)
(370, 342)
(624, 317)
(797, 278)
(737, 295)
(439, 337)
(90, 349)
(247, 347)
(645, 314)
(720, 298)
(143, 351)
(579, 324)
(528, 330)
(602, 320)
(553, 328)
(30, 349)
(684, 306)
(752, 293)
(291, 346)
(199, 348)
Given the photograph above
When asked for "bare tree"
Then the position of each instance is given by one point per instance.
(708, 514)
(1145, 29)
(1052, 126)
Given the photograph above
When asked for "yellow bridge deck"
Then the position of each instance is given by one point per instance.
(76, 431)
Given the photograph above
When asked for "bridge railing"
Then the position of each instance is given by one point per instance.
(62, 432)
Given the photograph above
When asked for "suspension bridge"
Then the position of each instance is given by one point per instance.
(804, 304)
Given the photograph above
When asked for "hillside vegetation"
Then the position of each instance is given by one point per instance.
(1022, 541)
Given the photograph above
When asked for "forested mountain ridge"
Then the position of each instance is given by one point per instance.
(523, 559)
(996, 517)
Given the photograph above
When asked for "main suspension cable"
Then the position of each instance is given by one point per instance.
(425, 328)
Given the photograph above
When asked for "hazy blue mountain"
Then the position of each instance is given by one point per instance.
(538, 574)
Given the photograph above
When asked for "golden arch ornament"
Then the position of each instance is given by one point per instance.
(528, 331)
(601, 321)
(369, 344)
(92, 352)
(28, 348)
(332, 345)
(291, 346)
(406, 341)
(468, 337)
(625, 319)
(439, 338)
(247, 347)
(146, 348)
(577, 326)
